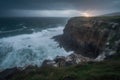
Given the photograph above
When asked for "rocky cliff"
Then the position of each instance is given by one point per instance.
(91, 37)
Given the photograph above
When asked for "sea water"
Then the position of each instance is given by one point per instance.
(28, 41)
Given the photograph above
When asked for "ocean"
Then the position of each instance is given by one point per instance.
(28, 41)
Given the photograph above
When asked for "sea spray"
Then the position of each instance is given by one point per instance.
(30, 49)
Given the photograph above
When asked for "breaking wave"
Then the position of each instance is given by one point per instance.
(30, 49)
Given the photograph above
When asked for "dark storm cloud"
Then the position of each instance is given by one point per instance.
(59, 5)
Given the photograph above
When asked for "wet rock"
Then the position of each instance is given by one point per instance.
(60, 60)
(8, 73)
(76, 59)
(49, 63)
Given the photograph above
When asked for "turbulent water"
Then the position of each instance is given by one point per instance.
(23, 45)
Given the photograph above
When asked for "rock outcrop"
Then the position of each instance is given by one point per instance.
(62, 61)
(88, 36)
(6, 74)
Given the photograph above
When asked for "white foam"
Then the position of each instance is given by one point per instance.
(12, 30)
(30, 49)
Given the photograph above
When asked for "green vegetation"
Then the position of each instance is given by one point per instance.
(109, 18)
(107, 70)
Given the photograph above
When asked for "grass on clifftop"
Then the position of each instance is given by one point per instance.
(110, 18)
(107, 70)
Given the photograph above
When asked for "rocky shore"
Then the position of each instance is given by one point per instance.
(91, 39)
(62, 61)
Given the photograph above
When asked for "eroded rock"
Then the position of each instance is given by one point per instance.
(61, 61)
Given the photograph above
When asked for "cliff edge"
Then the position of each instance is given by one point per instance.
(91, 37)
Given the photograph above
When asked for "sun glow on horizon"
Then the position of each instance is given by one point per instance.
(86, 14)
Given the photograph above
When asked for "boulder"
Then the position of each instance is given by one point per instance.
(60, 60)
(74, 59)
(49, 63)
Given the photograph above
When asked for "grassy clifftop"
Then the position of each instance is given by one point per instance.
(106, 70)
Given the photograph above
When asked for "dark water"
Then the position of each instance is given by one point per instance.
(27, 41)
(16, 26)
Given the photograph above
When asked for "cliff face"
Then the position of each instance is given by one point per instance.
(85, 37)
(89, 36)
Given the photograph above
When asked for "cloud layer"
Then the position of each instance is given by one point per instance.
(79, 5)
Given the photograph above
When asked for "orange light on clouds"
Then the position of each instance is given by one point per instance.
(86, 14)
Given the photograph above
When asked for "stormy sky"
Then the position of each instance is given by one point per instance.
(57, 8)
